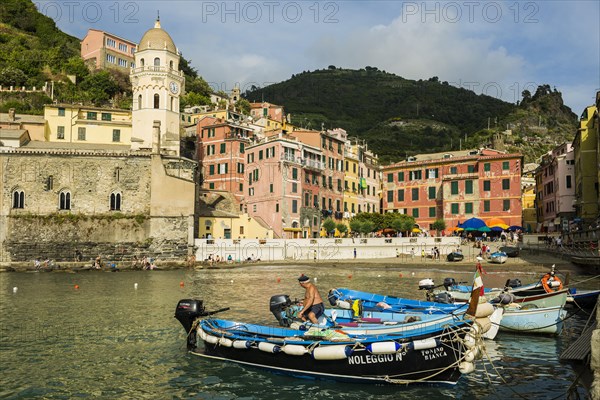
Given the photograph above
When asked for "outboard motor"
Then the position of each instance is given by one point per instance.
(444, 298)
(332, 297)
(278, 304)
(426, 284)
(187, 311)
(449, 282)
(513, 283)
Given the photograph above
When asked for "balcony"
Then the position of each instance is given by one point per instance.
(290, 158)
(152, 68)
(312, 164)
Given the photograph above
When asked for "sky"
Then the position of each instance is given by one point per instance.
(498, 48)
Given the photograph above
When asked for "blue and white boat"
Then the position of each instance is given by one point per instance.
(344, 298)
(547, 320)
(432, 355)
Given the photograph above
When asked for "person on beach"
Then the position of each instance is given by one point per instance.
(313, 303)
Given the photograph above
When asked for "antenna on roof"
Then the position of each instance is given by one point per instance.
(158, 15)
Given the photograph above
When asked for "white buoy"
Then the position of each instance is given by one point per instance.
(231, 281)
(15, 289)
(315, 279)
(379, 276)
(135, 285)
(413, 274)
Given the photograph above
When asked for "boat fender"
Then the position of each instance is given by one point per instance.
(241, 344)
(482, 299)
(211, 339)
(479, 353)
(383, 347)
(484, 323)
(343, 304)
(470, 354)
(334, 352)
(470, 340)
(294, 349)
(484, 310)
(225, 342)
(269, 347)
(425, 344)
(504, 298)
(466, 367)
(383, 305)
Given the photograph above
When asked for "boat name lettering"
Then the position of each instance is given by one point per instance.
(430, 354)
(374, 358)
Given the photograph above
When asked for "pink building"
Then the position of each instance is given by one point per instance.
(267, 110)
(221, 155)
(275, 194)
(105, 50)
(455, 186)
(331, 192)
(555, 197)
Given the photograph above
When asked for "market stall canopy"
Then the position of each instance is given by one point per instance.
(472, 224)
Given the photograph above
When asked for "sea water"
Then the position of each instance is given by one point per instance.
(112, 335)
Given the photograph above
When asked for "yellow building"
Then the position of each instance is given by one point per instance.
(586, 166)
(70, 123)
(351, 180)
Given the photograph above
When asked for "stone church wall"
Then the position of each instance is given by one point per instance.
(89, 228)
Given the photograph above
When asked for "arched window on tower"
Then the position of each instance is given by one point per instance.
(171, 64)
(64, 200)
(172, 103)
(156, 63)
(142, 62)
(115, 201)
(156, 100)
(18, 199)
(139, 107)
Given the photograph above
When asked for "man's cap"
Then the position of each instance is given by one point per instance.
(303, 278)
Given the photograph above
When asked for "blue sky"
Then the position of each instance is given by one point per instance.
(493, 47)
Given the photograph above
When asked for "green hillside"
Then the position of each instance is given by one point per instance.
(400, 117)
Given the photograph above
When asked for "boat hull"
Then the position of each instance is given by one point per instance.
(438, 364)
(547, 320)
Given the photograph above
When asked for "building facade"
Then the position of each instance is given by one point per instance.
(585, 151)
(555, 197)
(69, 123)
(103, 50)
(455, 186)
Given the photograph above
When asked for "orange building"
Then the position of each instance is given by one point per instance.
(455, 186)
(105, 50)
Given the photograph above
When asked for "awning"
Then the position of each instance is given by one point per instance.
(292, 229)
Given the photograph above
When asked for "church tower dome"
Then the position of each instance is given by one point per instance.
(157, 38)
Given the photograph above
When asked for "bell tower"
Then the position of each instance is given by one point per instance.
(157, 86)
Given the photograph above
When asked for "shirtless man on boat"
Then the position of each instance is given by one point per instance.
(313, 303)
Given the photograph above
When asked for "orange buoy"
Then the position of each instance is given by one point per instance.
(76, 286)
(278, 280)
(181, 284)
(350, 276)
(400, 275)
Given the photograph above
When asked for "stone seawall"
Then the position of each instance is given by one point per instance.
(71, 237)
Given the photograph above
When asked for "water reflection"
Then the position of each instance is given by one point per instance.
(109, 340)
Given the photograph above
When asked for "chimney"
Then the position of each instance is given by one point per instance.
(11, 114)
(156, 137)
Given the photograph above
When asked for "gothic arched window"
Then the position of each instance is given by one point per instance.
(156, 100)
(18, 199)
(115, 201)
(139, 102)
(64, 200)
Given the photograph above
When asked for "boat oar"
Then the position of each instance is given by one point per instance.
(217, 311)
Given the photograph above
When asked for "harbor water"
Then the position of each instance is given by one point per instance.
(112, 335)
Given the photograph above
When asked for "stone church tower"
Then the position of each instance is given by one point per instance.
(157, 85)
